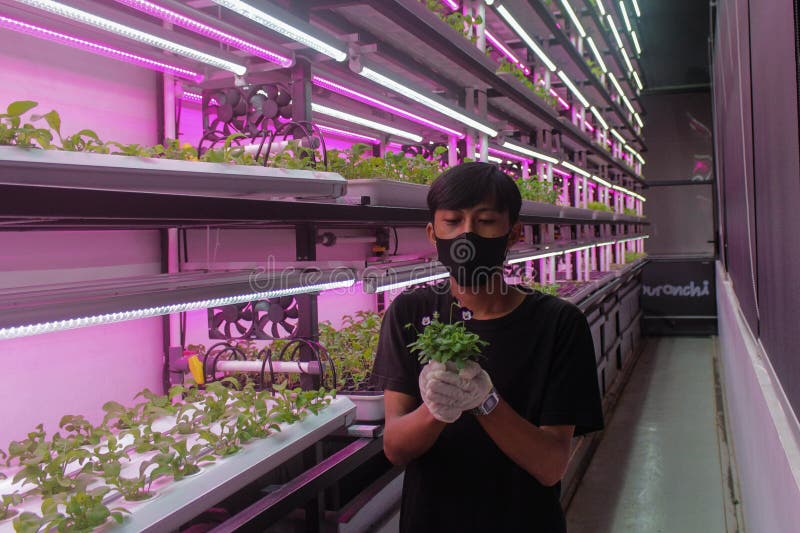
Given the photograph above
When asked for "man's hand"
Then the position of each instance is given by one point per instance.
(444, 387)
(439, 396)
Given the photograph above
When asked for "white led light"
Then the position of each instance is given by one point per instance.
(614, 30)
(637, 80)
(636, 43)
(279, 26)
(638, 120)
(134, 34)
(600, 180)
(580, 248)
(616, 85)
(597, 54)
(533, 257)
(335, 113)
(572, 88)
(599, 117)
(525, 37)
(424, 100)
(578, 170)
(619, 137)
(628, 104)
(529, 152)
(491, 158)
(392, 286)
(489, 2)
(626, 58)
(625, 15)
(640, 158)
(635, 8)
(601, 7)
(574, 17)
(73, 323)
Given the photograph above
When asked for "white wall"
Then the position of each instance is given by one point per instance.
(766, 432)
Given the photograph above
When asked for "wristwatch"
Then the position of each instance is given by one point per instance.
(488, 404)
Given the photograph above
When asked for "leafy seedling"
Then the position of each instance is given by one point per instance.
(445, 343)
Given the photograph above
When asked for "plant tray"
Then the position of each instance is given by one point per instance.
(369, 405)
(531, 208)
(389, 193)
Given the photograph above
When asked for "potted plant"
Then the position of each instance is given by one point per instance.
(450, 344)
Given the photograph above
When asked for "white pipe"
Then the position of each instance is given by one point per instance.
(283, 367)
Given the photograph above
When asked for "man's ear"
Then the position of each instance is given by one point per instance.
(431, 235)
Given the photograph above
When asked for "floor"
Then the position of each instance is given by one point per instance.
(657, 468)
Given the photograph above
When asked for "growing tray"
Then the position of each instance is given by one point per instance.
(79, 170)
(369, 406)
(389, 193)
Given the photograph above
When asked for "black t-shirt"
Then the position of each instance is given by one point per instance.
(541, 360)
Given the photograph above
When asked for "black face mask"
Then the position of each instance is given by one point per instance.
(471, 259)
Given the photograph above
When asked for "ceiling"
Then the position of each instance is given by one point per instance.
(674, 43)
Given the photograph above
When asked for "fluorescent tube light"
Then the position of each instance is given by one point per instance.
(348, 134)
(192, 97)
(506, 51)
(490, 158)
(638, 120)
(635, 8)
(452, 4)
(636, 43)
(532, 256)
(627, 59)
(640, 158)
(279, 26)
(614, 30)
(374, 102)
(572, 88)
(355, 119)
(600, 180)
(573, 17)
(601, 7)
(509, 18)
(97, 48)
(575, 169)
(508, 155)
(528, 151)
(637, 80)
(207, 31)
(599, 117)
(84, 17)
(616, 85)
(597, 54)
(380, 279)
(628, 104)
(580, 248)
(625, 15)
(619, 137)
(426, 101)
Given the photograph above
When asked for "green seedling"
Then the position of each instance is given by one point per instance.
(446, 343)
(82, 512)
(540, 190)
(82, 429)
(46, 469)
(132, 489)
(6, 501)
(24, 450)
(599, 206)
(180, 461)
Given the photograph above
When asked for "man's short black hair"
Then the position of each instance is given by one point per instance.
(468, 184)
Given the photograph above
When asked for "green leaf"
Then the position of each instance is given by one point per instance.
(16, 109)
(54, 121)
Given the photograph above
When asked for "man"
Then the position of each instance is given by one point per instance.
(485, 449)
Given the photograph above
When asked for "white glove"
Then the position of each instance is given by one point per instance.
(468, 388)
(441, 410)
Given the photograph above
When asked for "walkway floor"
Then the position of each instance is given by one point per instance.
(657, 468)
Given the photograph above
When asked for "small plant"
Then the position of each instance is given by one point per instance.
(109, 451)
(120, 417)
(630, 212)
(599, 206)
(156, 405)
(224, 443)
(545, 288)
(24, 450)
(132, 489)
(82, 512)
(82, 429)
(180, 461)
(463, 24)
(352, 348)
(446, 342)
(46, 469)
(630, 257)
(146, 440)
(595, 68)
(13, 131)
(216, 401)
(539, 190)
(537, 88)
(6, 501)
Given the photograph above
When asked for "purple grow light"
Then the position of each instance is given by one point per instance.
(561, 101)
(562, 173)
(192, 97)
(361, 97)
(452, 4)
(349, 134)
(97, 48)
(509, 155)
(198, 27)
(506, 52)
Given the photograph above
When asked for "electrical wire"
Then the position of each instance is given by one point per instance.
(396, 240)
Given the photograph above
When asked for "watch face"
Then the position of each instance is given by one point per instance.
(490, 403)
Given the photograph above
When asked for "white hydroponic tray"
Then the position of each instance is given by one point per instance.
(80, 170)
(176, 502)
(390, 193)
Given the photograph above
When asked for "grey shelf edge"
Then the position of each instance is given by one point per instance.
(79, 170)
(622, 276)
(415, 18)
(179, 502)
(547, 17)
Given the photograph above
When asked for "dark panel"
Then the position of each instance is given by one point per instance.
(777, 171)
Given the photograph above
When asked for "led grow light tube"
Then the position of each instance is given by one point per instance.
(508, 155)
(628, 192)
(509, 18)
(636, 43)
(637, 238)
(533, 257)
(638, 120)
(561, 101)
(636, 8)
(614, 30)
(628, 104)
(97, 48)
(505, 51)
(625, 15)
(562, 173)
(597, 55)
(575, 169)
(347, 117)
(110, 318)
(407, 283)
(601, 7)
(348, 134)
(574, 17)
(580, 248)
(573, 88)
(626, 58)
(616, 85)
(84, 17)
(637, 80)
(452, 4)
(640, 158)
(207, 31)
(529, 152)
(599, 117)
(600, 180)
(619, 137)
(192, 97)
(589, 127)
(374, 102)
(426, 101)
(279, 26)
